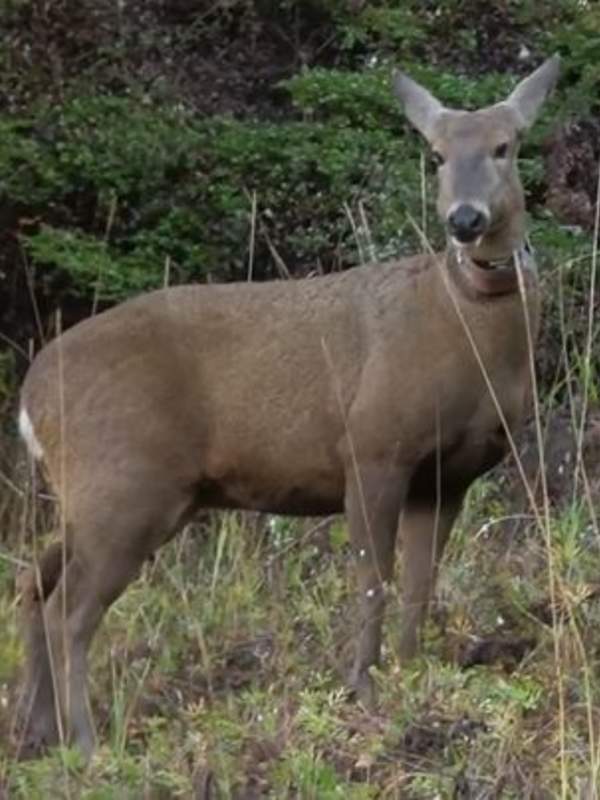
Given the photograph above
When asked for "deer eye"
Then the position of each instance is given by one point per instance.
(501, 151)
(437, 158)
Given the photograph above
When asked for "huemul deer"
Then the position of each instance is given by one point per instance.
(383, 392)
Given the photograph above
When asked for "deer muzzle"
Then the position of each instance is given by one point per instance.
(467, 222)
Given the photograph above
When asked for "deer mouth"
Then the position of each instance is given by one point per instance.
(461, 243)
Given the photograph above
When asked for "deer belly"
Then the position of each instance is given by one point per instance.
(293, 487)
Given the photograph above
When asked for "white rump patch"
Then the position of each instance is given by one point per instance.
(28, 434)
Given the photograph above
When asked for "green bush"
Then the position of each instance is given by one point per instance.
(118, 187)
(118, 184)
(384, 26)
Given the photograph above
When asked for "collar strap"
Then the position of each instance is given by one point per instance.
(498, 276)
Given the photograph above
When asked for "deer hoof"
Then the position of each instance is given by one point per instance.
(33, 745)
(362, 688)
(35, 735)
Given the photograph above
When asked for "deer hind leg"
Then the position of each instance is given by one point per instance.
(373, 499)
(73, 614)
(424, 531)
(113, 534)
(36, 703)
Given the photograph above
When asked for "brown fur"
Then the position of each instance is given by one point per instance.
(357, 392)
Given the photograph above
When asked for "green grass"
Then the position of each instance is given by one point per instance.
(227, 657)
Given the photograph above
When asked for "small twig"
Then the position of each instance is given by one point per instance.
(112, 210)
(299, 543)
(12, 486)
(33, 298)
(17, 347)
(423, 193)
(18, 562)
(279, 262)
(356, 233)
(252, 238)
(167, 272)
(364, 222)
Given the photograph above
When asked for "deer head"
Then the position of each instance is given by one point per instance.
(480, 197)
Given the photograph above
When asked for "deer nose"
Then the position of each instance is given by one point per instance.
(466, 222)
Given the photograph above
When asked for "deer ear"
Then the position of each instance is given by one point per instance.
(421, 107)
(527, 98)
